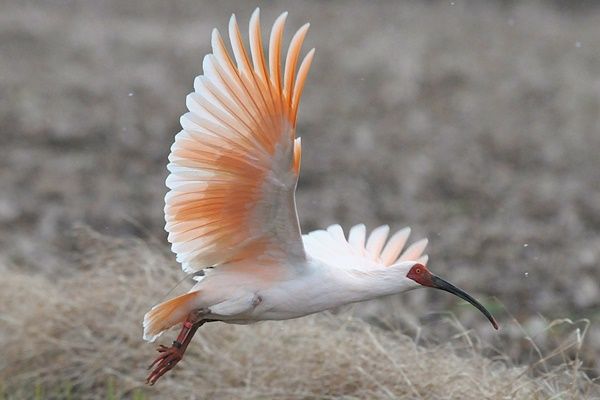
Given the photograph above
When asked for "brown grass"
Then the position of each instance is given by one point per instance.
(83, 332)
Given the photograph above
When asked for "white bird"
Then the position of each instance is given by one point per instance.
(231, 212)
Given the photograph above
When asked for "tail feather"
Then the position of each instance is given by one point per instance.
(165, 315)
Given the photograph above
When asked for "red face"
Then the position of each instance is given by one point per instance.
(420, 274)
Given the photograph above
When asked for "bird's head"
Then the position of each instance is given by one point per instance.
(421, 275)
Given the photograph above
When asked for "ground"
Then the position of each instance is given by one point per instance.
(476, 123)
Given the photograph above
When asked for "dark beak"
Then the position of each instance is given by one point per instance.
(439, 283)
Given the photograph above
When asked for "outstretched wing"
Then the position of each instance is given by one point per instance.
(358, 251)
(234, 166)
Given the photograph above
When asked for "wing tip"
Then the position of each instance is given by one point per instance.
(422, 242)
(382, 228)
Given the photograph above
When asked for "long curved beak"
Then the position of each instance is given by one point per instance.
(441, 284)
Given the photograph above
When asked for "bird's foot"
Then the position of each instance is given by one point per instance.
(168, 358)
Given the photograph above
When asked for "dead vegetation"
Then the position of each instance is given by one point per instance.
(83, 332)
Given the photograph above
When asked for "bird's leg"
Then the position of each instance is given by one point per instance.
(170, 356)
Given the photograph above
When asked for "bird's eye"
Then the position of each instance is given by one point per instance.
(418, 270)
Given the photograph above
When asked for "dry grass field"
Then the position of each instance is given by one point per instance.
(81, 339)
(476, 123)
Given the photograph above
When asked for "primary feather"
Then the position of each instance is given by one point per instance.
(361, 252)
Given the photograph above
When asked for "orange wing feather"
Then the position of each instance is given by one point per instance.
(234, 166)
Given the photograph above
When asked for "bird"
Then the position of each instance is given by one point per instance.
(231, 214)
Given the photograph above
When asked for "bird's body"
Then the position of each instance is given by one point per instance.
(245, 293)
(231, 212)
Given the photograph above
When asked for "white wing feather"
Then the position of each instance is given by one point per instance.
(331, 246)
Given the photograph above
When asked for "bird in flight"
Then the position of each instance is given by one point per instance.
(231, 212)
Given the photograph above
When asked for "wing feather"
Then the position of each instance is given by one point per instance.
(357, 236)
(235, 164)
(275, 52)
(377, 240)
(394, 246)
(291, 61)
(337, 232)
(332, 247)
(414, 251)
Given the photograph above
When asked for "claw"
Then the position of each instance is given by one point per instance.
(168, 358)
(160, 349)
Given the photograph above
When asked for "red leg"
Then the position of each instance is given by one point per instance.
(170, 356)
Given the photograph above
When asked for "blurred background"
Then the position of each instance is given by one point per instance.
(477, 123)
